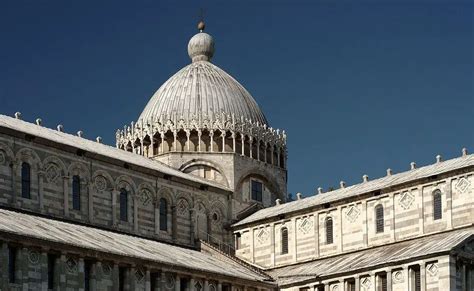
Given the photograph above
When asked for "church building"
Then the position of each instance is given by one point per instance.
(192, 197)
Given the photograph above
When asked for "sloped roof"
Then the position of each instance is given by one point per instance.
(90, 238)
(362, 188)
(97, 148)
(432, 245)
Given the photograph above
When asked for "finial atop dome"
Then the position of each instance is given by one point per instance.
(201, 26)
(201, 45)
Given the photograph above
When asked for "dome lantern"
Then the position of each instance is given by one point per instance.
(201, 45)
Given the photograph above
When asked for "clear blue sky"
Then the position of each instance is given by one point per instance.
(359, 86)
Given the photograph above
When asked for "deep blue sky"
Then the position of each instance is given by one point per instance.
(359, 86)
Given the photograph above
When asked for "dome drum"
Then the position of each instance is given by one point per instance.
(224, 134)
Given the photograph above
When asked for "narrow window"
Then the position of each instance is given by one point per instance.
(123, 205)
(437, 205)
(51, 270)
(87, 275)
(163, 214)
(381, 282)
(351, 285)
(284, 240)
(319, 288)
(257, 189)
(329, 231)
(121, 278)
(379, 219)
(238, 241)
(25, 180)
(415, 278)
(154, 280)
(76, 192)
(12, 264)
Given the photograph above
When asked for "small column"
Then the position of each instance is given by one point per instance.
(192, 282)
(175, 140)
(142, 148)
(242, 137)
(316, 234)
(423, 276)
(13, 172)
(192, 219)
(206, 285)
(406, 274)
(152, 146)
(223, 141)
(233, 142)
(174, 226)
(94, 277)
(389, 280)
(162, 145)
(135, 213)
(60, 283)
(252, 245)
(132, 282)
(177, 283)
(251, 147)
(449, 204)
(294, 239)
(199, 140)
(157, 216)
(188, 141)
(365, 223)
(114, 207)
(90, 201)
(211, 136)
(357, 283)
(258, 150)
(65, 195)
(147, 280)
(115, 277)
(41, 191)
(81, 272)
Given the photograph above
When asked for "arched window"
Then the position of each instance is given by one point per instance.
(329, 231)
(284, 240)
(379, 219)
(163, 214)
(25, 180)
(437, 205)
(76, 192)
(123, 205)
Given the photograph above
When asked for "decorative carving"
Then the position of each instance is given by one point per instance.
(366, 283)
(352, 213)
(100, 183)
(106, 269)
(398, 276)
(305, 225)
(212, 287)
(139, 275)
(183, 209)
(432, 269)
(145, 197)
(215, 218)
(335, 287)
(169, 281)
(463, 184)
(262, 236)
(406, 200)
(3, 157)
(33, 257)
(52, 173)
(71, 265)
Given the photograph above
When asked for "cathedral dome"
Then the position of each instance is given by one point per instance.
(202, 90)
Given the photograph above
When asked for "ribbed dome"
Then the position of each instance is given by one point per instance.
(201, 90)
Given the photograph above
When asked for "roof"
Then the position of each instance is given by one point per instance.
(201, 91)
(90, 238)
(97, 148)
(433, 245)
(359, 189)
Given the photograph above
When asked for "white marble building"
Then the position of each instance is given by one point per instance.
(192, 198)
